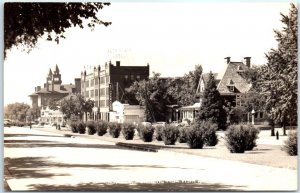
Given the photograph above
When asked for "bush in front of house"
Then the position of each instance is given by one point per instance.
(81, 127)
(240, 138)
(170, 134)
(146, 132)
(91, 125)
(128, 130)
(101, 128)
(210, 135)
(290, 145)
(114, 129)
(73, 126)
(195, 137)
(159, 132)
(182, 138)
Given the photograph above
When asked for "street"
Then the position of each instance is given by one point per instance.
(43, 161)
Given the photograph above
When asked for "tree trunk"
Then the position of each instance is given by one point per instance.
(272, 128)
(284, 129)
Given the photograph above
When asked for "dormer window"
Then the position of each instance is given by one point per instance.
(231, 85)
(231, 88)
(240, 69)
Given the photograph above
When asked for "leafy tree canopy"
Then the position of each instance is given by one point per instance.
(278, 79)
(25, 23)
(16, 111)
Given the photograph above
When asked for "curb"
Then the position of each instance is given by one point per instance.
(137, 147)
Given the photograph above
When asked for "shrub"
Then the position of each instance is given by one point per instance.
(240, 138)
(114, 129)
(182, 138)
(195, 137)
(73, 126)
(101, 128)
(146, 133)
(170, 134)
(159, 132)
(290, 145)
(252, 135)
(91, 125)
(128, 131)
(210, 136)
(81, 127)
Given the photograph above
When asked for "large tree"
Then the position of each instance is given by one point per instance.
(25, 23)
(212, 105)
(76, 105)
(16, 111)
(153, 95)
(279, 76)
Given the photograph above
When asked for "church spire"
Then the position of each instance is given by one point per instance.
(50, 72)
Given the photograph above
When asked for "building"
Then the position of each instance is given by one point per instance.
(107, 84)
(53, 89)
(231, 84)
(123, 113)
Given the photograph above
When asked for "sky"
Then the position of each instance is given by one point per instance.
(172, 37)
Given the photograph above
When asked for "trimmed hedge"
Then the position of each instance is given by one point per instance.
(170, 134)
(159, 132)
(128, 130)
(91, 125)
(195, 137)
(81, 127)
(73, 126)
(240, 138)
(290, 145)
(146, 133)
(101, 128)
(182, 138)
(114, 129)
(210, 136)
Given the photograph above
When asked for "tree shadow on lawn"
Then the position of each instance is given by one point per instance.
(29, 135)
(138, 187)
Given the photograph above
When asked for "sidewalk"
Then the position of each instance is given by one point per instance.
(268, 151)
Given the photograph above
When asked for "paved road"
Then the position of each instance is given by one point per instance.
(38, 160)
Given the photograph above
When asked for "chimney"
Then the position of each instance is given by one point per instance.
(118, 63)
(247, 61)
(38, 88)
(227, 60)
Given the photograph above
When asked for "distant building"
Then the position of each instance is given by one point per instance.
(107, 84)
(123, 113)
(53, 89)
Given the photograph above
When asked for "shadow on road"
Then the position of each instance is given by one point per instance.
(29, 135)
(137, 187)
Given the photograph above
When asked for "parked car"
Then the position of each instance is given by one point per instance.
(7, 123)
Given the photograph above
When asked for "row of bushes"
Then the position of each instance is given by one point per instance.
(238, 138)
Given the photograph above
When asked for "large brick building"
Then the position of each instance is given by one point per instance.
(53, 89)
(107, 84)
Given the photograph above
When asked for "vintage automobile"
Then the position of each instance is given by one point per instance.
(7, 123)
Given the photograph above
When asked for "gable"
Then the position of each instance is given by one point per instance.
(233, 78)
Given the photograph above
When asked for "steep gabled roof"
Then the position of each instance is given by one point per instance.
(65, 89)
(233, 77)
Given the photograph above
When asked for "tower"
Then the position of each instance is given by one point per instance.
(56, 77)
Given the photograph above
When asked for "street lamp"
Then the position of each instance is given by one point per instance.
(252, 112)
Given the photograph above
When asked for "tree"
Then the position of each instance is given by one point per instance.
(76, 105)
(25, 23)
(279, 76)
(153, 95)
(183, 89)
(212, 105)
(16, 111)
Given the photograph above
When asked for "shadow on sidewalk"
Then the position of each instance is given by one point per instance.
(137, 187)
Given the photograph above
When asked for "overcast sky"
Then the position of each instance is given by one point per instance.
(171, 37)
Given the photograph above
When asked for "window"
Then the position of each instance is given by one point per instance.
(102, 103)
(96, 103)
(261, 114)
(102, 80)
(92, 93)
(96, 81)
(107, 103)
(92, 82)
(107, 91)
(87, 94)
(138, 77)
(96, 92)
(132, 77)
(102, 92)
(255, 115)
(126, 77)
(231, 88)
(86, 83)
